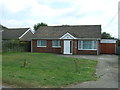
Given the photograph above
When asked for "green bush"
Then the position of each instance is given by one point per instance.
(15, 46)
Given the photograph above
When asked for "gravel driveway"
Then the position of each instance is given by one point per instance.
(107, 68)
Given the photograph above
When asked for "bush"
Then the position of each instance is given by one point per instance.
(15, 46)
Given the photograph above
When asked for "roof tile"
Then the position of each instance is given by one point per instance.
(80, 31)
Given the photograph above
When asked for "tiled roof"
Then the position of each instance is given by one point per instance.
(27, 36)
(80, 31)
(13, 33)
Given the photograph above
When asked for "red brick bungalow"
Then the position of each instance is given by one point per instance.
(82, 39)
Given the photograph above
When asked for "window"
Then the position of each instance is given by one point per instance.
(41, 43)
(56, 43)
(87, 45)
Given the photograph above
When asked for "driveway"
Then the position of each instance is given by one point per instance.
(107, 69)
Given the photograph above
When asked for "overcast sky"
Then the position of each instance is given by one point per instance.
(26, 13)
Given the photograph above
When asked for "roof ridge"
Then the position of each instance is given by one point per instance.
(80, 31)
(70, 25)
(18, 28)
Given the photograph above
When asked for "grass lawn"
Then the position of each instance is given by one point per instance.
(45, 70)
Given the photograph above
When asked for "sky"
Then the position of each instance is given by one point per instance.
(26, 13)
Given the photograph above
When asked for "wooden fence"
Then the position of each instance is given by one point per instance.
(118, 50)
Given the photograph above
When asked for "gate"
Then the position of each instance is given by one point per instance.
(118, 50)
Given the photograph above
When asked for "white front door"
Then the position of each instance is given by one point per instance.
(67, 47)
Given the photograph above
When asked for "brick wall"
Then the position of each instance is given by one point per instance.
(92, 52)
(48, 49)
(75, 46)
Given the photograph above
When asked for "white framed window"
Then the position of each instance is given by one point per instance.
(87, 45)
(56, 43)
(41, 43)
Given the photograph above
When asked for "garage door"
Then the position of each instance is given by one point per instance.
(108, 48)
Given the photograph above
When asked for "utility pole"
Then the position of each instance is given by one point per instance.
(119, 20)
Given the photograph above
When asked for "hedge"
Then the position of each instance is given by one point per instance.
(15, 46)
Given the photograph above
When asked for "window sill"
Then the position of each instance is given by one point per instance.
(56, 46)
(88, 49)
(41, 46)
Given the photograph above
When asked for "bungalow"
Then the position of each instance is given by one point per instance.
(2, 28)
(14, 33)
(9, 37)
(79, 39)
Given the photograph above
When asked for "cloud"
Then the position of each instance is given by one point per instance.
(23, 13)
(15, 23)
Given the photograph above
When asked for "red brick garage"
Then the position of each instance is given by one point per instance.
(108, 46)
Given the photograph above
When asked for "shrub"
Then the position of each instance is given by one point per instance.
(15, 46)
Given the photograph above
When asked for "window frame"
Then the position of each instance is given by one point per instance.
(56, 46)
(40, 43)
(80, 44)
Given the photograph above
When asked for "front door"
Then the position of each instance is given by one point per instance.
(67, 47)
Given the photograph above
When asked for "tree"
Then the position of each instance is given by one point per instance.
(106, 36)
(36, 26)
